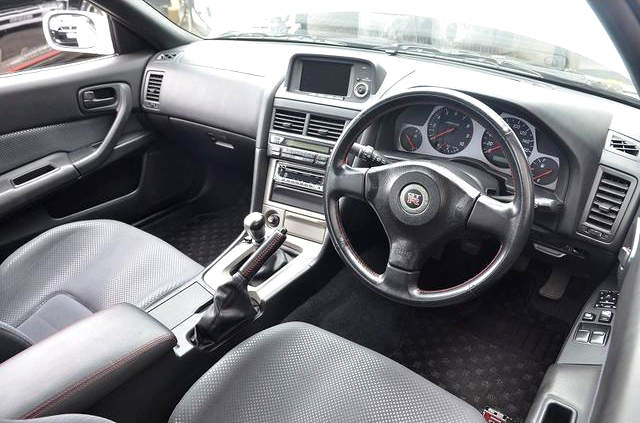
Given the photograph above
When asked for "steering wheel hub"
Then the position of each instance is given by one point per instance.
(414, 199)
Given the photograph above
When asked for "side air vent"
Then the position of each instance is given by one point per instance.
(607, 206)
(325, 128)
(624, 145)
(289, 121)
(152, 89)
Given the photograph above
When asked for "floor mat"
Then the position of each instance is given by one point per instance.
(493, 352)
(203, 236)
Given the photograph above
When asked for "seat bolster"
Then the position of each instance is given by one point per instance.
(61, 418)
(12, 341)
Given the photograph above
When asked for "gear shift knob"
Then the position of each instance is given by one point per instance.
(254, 225)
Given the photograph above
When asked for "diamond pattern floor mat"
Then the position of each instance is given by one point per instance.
(204, 236)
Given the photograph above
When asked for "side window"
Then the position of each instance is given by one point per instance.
(23, 45)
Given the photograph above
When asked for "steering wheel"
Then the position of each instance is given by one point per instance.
(423, 203)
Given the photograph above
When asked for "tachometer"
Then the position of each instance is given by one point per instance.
(492, 150)
(449, 130)
(411, 138)
(544, 170)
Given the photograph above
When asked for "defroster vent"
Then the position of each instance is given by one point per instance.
(624, 145)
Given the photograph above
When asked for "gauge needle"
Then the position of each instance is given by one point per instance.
(545, 173)
(443, 133)
(497, 147)
(413, 146)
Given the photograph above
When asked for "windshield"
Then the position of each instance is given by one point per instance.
(549, 39)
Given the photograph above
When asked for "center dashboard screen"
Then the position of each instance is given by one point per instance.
(325, 77)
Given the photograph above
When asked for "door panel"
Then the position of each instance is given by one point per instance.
(51, 137)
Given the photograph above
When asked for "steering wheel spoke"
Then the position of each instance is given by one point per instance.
(347, 181)
(493, 217)
(398, 283)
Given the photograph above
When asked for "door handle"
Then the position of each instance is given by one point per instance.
(117, 97)
(99, 98)
(89, 100)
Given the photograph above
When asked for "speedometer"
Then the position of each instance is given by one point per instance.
(492, 149)
(449, 130)
(523, 131)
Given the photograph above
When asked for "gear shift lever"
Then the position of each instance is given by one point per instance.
(254, 225)
(232, 304)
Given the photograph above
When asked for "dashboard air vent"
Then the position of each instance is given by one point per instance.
(152, 90)
(624, 145)
(607, 205)
(325, 128)
(289, 121)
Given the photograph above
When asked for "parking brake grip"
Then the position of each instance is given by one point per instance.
(232, 304)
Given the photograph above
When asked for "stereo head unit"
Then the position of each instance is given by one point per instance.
(331, 77)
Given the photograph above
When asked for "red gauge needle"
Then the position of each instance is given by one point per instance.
(545, 173)
(443, 133)
(413, 146)
(497, 147)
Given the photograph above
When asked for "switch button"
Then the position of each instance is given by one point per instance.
(605, 316)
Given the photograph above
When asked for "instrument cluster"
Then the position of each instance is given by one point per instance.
(449, 133)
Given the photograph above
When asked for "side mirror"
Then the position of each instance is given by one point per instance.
(78, 31)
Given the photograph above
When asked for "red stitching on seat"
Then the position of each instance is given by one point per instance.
(97, 375)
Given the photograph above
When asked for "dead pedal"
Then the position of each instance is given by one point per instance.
(494, 416)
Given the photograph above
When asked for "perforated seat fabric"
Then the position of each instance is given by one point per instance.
(296, 372)
(79, 268)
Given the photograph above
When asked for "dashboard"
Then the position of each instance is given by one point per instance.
(286, 104)
(441, 131)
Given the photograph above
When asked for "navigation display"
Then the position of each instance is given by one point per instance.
(325, 77)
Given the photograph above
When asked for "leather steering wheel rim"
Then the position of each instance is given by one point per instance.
(449, 203)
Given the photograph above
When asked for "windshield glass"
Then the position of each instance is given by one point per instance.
(549, 39)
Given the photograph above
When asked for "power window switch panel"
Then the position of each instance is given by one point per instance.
(605, 316)
(582, 335)
(597, 338)
(588, 317)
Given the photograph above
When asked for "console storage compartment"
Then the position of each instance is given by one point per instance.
(76, 367)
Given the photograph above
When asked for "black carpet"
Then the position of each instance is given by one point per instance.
(492, 351)
(346, 307)
(202, 236)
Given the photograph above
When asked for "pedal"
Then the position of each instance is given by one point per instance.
(494, 416)
(556, 285)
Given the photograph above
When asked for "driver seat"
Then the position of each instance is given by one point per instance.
(295, 372)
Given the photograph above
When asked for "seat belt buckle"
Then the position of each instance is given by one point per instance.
(494, 416)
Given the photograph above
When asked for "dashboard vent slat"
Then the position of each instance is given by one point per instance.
(606, 205)
(154, 84)
(624, 145)
(325, 127)
(289, 121)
